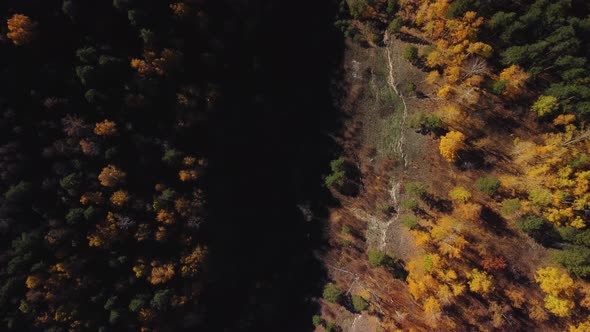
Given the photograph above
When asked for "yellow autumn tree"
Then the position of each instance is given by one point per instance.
(460, 194)
(432, 310)
(21, 29)
(516, 79)
(480, 282)
(451, 144)
(111, 176)
(555, 282)
(105, 128)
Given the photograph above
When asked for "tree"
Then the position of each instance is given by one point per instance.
(530, 224)
(161, 299)
(18, 192)
(187, 175)
(74, 216)
(337, 177)
(516, 78)
(554, 282)
(558, 307)
(432, 310)
(545, 105)
(488, 184)
(359, 304)
(111, 176)
(332, 293)
(377, 257)
(451, 144)
(510, 206)
(119, 198)
(415, 189)
(71, 183)
(161, 273)
(410, 53)
(105, 128)
(540, 197)
(21, 29)
(87, 55)
(460, 194)
(410, 221)
(480, 282)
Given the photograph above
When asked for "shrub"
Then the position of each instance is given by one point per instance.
(136, 304)
(498, 87)
(540, 197)
(395, 25)
(74, 216)
(488, 184)
(410, 53)
(316, 320)
(509, 206)
(432, 122)
(337, 178)
(575, 259)
(409, 204)
(410, 221)
(529, 224)
(161, 299)
(358, 303)
(172, 157)
(415, 189)
(18, 192)
(87, 54)
(581, 162)
(377, 258)
(332, 293)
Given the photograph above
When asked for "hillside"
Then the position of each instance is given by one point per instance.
(264, 165)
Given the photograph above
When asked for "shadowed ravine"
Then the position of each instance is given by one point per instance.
(269, 146)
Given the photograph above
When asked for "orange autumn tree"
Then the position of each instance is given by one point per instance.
(21, 29)
(157, 64)
(105, 128)
(119, 198)
(111, 176)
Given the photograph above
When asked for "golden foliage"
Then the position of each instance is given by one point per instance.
(445, 92)
(92, 197)
(119, 198)
(559, 307)
(460, 194)
(180, 9)
(191, 264)
(480, 282)
(154, 64)
(555, 282)
(111, 176)
(187, 175)
(21, 29)
(469, 211)
(516, 78)
(105, 128)
(451, 144)
(166, 217)
(33, 281)
(161, 273)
